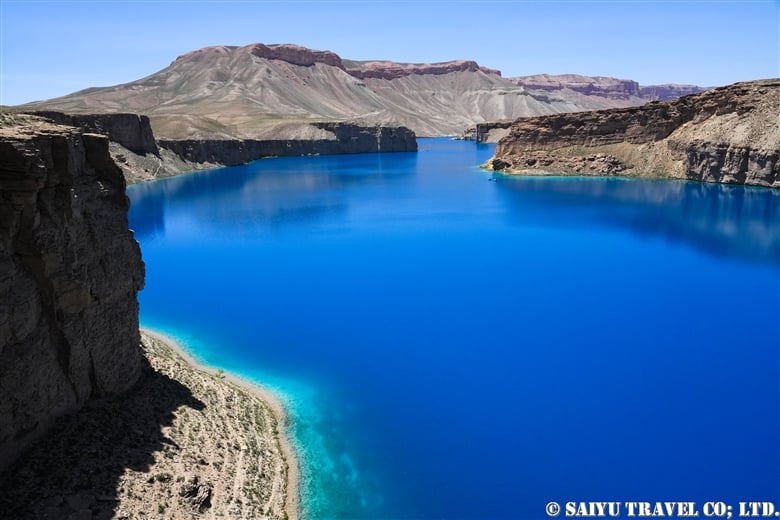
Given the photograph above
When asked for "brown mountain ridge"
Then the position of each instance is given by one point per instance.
(262, 91)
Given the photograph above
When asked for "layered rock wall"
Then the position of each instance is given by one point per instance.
(70, 271)
(611, 88)
(132, 131)
(347, 139)
(730, 134)
(390, 70)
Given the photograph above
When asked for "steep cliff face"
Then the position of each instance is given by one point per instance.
(668, 91)
(135, 150)
(610, 88)
(392, 70)
(340, 138)
(132, 131)
(730, 134)
(70, 273)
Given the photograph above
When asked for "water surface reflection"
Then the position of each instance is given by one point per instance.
(723, 220)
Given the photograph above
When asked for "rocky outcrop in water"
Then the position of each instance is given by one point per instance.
(729, 134)
(71, 270)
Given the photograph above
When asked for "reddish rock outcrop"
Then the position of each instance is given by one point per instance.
(611, 88)
(295, 54)
(729, 134)
(391, 70)
(71, 270)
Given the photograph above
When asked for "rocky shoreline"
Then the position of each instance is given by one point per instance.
(729, 134)
(185, 442)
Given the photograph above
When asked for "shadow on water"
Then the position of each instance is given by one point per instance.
(740, 222)
(78, 464)
(281, 191)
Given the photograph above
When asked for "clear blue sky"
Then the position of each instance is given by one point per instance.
(51, 48)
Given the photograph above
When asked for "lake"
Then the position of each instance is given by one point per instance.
(452, 344)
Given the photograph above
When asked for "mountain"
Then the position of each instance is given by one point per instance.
(728, 134)
(269, 91)
(610, 88)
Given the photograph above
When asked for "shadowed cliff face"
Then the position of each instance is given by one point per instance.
(729, 134)
(69, 278)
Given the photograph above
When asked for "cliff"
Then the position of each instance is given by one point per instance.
(133, 147)
(342, 138)
(132, 131)
(71, 270)
(729, 134)
(668, 91)
(391, 70)
(610, 88)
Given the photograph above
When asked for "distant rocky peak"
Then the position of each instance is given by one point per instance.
(392, 70)
(611, 88)
(295, 54)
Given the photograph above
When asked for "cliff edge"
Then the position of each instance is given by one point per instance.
(729, 134)
(71, 271)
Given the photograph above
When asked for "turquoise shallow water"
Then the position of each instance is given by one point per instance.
(453, 347)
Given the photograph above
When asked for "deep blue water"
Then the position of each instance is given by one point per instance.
(451, 347)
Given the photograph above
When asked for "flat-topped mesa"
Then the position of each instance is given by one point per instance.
(730, 134)
(295, 54)
(391, 70)
(287, 52)
(611, 88)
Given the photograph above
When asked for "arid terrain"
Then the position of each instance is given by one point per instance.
(271, 91)
(729, 134)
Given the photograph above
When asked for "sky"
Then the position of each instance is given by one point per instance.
(52, 48)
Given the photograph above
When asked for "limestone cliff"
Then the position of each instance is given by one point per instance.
(339, 138)
(730, 134)
(70, 273)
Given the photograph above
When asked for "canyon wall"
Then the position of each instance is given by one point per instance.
(346, 139)
(133, 147)
(70, 274)
(729, 134)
